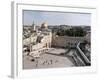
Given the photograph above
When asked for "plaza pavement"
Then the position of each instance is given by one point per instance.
(48, 60)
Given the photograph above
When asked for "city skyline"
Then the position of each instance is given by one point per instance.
(56, 18)
(48, 46)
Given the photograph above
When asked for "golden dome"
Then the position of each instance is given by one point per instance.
(44, 25)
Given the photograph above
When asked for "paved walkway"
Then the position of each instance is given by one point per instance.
(48, 60)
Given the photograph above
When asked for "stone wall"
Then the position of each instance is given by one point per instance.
(65, 41)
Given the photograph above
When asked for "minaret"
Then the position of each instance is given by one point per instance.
(33, 26)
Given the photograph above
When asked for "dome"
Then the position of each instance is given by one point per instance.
(44, 25)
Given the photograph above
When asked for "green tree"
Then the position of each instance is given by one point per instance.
(74, 32)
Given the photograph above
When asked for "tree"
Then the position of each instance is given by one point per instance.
(74, 32)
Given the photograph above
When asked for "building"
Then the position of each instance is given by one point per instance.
(40, 41)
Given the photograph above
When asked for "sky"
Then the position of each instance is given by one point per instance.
(56, 18)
